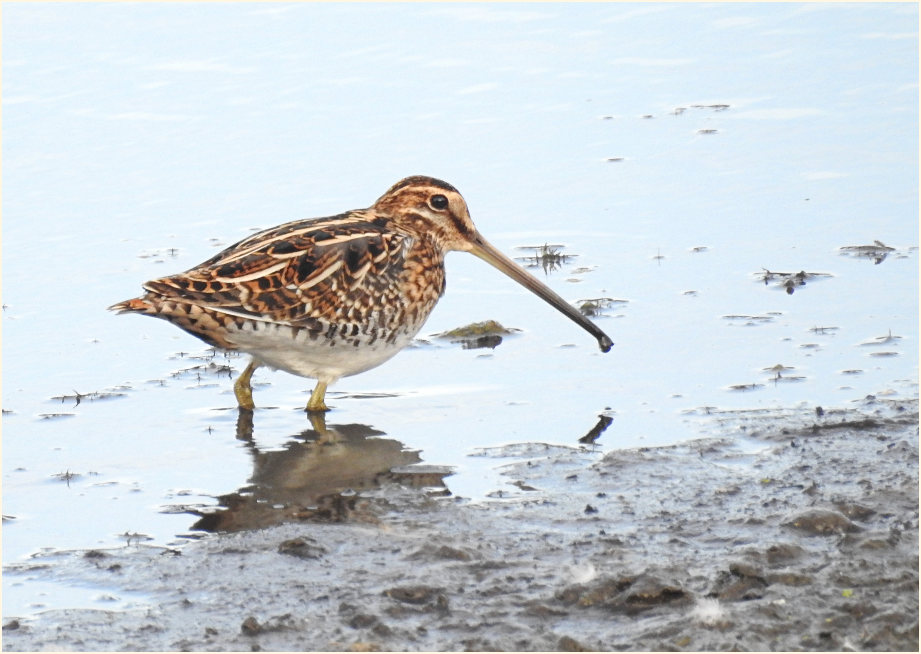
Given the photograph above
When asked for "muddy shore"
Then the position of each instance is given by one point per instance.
(788, 530)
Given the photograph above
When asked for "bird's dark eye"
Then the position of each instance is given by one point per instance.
(438, 202)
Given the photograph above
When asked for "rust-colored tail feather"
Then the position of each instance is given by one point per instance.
(134, 305)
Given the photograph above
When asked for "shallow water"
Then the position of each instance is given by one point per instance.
(138, 139)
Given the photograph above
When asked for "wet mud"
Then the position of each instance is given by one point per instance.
(786, 530)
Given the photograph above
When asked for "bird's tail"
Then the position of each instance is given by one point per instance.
(134, 305)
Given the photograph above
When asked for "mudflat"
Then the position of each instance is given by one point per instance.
(788, 530)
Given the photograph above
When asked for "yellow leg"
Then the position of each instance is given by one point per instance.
(316, 401)
(242, 387)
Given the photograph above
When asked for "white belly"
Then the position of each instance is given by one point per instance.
(318, 355)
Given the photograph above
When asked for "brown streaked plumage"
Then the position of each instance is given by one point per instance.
(331, 297)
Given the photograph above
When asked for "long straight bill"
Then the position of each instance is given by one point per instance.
(485, 251)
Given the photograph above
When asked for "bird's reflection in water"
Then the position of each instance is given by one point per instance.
(318, 477)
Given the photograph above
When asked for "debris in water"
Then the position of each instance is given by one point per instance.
(882, 340)
(487, 333)
(594, 307)
(780, 373)
(595, 432)
(745, 387)
(78, 397)
(546, 256)
(134, 536)
(748, 320)
(474, 329)
(715, 107)
(878, 251)
(789, 281)
(53, 416)
(67, 476)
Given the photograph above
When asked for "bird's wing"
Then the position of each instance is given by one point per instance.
(296, 273)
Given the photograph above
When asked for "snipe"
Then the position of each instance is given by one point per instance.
(330, 297)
